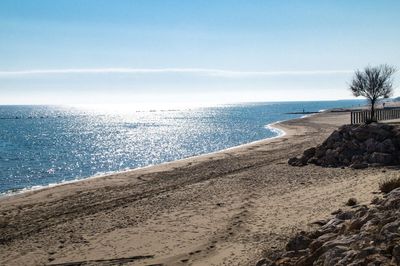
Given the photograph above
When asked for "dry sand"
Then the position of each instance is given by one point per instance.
(224, 208)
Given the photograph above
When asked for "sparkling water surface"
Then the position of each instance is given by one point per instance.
(42, 145)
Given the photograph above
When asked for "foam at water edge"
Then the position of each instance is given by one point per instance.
(279, 132)
(64, 182)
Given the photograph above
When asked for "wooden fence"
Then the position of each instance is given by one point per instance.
(359, 117)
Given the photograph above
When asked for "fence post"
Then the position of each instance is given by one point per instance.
(358, 117)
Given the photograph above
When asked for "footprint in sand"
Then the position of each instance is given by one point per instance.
(195, 252)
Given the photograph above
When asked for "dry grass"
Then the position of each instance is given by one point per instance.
(389, 184)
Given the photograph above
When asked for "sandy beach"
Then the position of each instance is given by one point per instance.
(225, 208)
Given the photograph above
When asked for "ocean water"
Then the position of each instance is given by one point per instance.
(43, 145)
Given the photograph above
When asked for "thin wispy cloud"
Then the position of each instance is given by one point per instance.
(191, 71)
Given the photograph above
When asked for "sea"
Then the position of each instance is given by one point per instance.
(48, 145)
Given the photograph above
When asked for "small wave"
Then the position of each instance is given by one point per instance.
(307, 115)
(279, 132)
(15, 191)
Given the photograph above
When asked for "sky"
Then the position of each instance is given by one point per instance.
(198, 51)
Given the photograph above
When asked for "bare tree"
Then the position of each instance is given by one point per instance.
(373, 83)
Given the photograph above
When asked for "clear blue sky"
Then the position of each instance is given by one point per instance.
(96, 51)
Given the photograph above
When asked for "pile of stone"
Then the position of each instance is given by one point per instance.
(357, 146)
(362, 236)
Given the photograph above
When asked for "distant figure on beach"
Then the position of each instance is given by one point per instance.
(383, 105)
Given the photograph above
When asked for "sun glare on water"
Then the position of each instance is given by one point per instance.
(142, 107)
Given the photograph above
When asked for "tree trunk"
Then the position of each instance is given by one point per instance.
(372, 118)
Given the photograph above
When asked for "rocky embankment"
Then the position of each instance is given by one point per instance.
(357, 146)
(361, 236)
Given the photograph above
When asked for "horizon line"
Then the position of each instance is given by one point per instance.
(194, 71)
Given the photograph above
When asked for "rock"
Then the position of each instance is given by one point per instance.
(265, 262)
(320, 222)
(308, 259)
(371, 145)
(376, 259)
(332, 226)
(351, 202)
(387, 146)
(312, 160)
(348, 257)
(317, 243)
(296, 162)
(298, 242)
(339, 241)
(391, 230)
(366, 235)
(331, 158)
(355, 146)
(396, 254)
(393, 196)
(375, 200)
(295, 253)
(361, 210)
(360, 133)
(309, 153)
(293, 161)
(337, 212)
(357, 159)
(333, 255)
(367, 252)
(345, 215)
(355, 224)
(284, 261)
(319, 152)
(381, 158)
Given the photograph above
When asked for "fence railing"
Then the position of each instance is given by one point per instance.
(359, 117)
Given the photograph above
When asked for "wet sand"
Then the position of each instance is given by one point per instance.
(224, 208)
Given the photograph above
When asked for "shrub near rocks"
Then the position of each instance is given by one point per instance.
(357, 146)
(362, 236)
(389, 184)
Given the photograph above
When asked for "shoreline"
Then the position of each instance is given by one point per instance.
(270, 126)
(225, 208)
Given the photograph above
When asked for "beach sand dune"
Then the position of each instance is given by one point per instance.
(224, 208)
